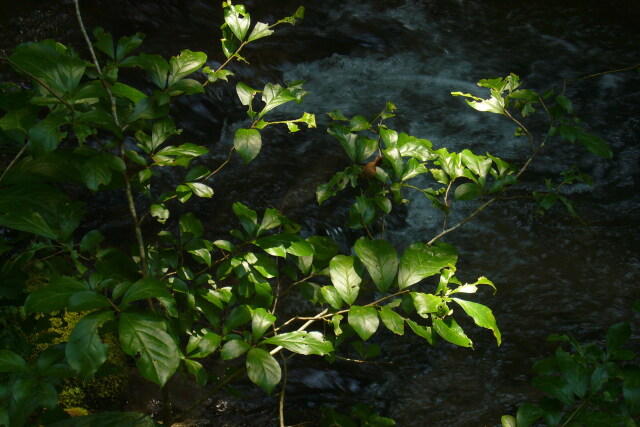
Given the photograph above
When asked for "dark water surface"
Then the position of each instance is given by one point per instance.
(554, 275)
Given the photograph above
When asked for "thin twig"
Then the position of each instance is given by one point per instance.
(619, 70)
(221, 166)
(112, 99)
(14, 160)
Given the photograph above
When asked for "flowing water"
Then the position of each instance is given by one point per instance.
(554, 275)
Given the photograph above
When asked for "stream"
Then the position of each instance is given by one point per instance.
(553, 274)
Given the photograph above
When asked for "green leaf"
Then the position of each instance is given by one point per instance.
(234, 348)
(155, 65)
(420, 261)
(45, 136)
(237, 19)
(11, 362)
(203, 345)
(467, 191)
(54, 296)
(380, 259)
(247, 143)
(364, 320)
(145, 288)
(29, 221)
(422, 331)
(91, 240)
(238, 317)
(528, 414)
(184, 64)
(451, 331)
(331, 296)
(200, 190)
(260, 30)
(481, 315)
(145, 335)
(96, 172)
(345, 277)
(565, 103)
(52, 63)
(302, 342)
(190, 224)
(261, 319)
(85, 351)
(392, 320)
(274, 95)
(263, 369)
(426, 303)
(595, 145)
(87, 300)
(248, 217)
(617, 336)
(197, 370)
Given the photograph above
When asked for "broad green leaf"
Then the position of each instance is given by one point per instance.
(128, 44)
(451, 331)
(420, 261)
(95, 172)
(481, 315)
(145, 288)
(200, 190)
(263, 369)
(422, 331)
(527, 414)
(190, 224)
(595, 145)
(556, 387)
(184, 64)
(145, 335)
(85, 352)
(54, 296)
(155, 65)
(389, 137)
(260, 30)
(234, 348)
(261, 319)
(238, 317)
(467, 191)
(197, 370)
(87, 300)
(345, 277)
(274, 95)
(187, 150)
(392, 320)
(11, 362)
(29, 221)
(380, 259)
(425, 303)
(331, 296)
(237, 19)
(617, 336)
(91, 240)
(203, 345)
(364, 320)
(46, 135)
(51, 63)
(247, 143)
(302, 342)
(248, 217)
